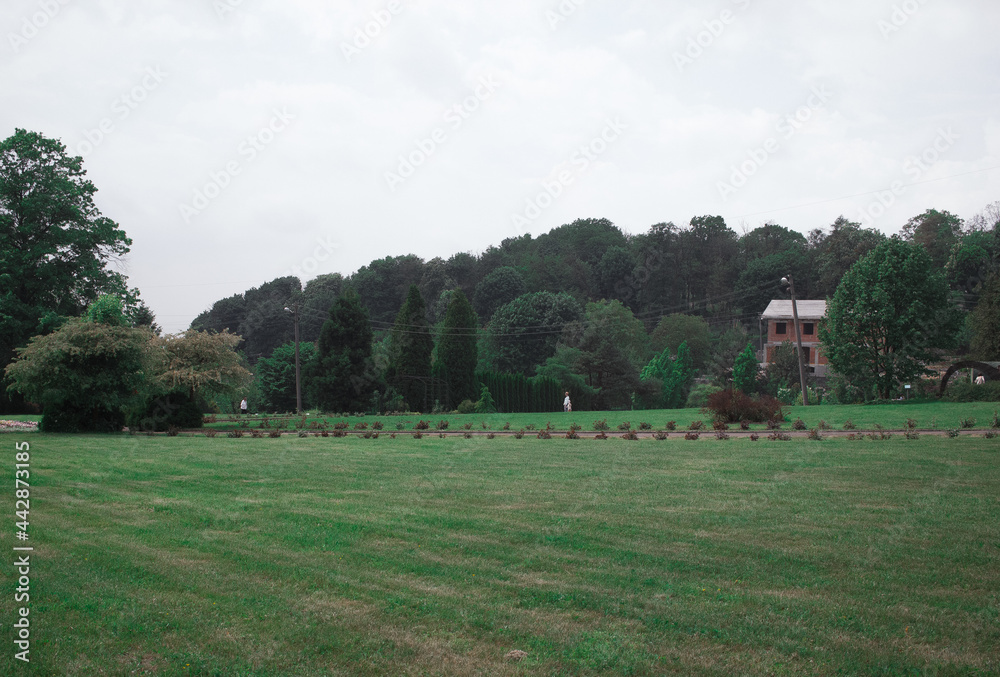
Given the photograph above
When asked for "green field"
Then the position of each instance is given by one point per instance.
(321, 556)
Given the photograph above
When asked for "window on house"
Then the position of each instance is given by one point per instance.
(780, 328)
(808, 328)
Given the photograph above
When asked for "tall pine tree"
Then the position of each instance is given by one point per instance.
(411, 348)
(458, 351)
(342, 376)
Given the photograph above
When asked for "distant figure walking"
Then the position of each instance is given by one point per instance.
(567, 405)
(243, 406)
(980, 380)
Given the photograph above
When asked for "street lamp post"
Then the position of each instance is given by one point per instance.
(298, 378)
(790, 283)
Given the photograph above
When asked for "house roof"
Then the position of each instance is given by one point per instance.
(781, 309)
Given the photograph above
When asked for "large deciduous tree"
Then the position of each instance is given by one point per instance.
(55, 246)
(276, 377)
(458, 350)
(889, 314)
(523, 333)
(673, 330)
(501, 286)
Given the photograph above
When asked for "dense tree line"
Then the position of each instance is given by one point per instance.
(618, 319)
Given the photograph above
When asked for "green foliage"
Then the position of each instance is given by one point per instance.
(161, 412)
(984, 322)
(523, 333)
(85, 375)
(562, 367)
(674, 375)
(673, 330)
(963, 391)
(411, 346)
(501, 286)
(485, 404)
(275, 377)
(342, 376)
(55, 246)
(783, 370)
(698, 397)
(745, 370)
(457, 349)
(727, 347)
(937, 232)
(834, 253)
(890, 313)
(107, 309)
(516, 393)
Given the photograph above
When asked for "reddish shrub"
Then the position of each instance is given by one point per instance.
(733, 406)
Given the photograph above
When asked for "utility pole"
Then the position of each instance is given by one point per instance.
(298, 375)
(798, 337)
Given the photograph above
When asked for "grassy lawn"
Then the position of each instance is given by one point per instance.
(320, 556)
(928, 414)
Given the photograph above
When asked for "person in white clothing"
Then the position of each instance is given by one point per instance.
(567, 405)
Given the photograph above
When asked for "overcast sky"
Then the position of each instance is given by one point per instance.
(238, 140)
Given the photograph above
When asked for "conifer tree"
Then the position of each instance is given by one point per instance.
(411, 348)
(341, 376)
(457, 349)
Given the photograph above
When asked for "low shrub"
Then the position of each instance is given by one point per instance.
(720, 425)
(630, 435)
(963, 391)
(325, 433)
(645, 426)
(691, 435)
(911, 435)
(953, 433)
(274, 434)
(671, 425)
(700, 395)
(601, 436)
(754, 437)
(491, 436)
(442, 425)
(774, 424)
(660, 436)
(721, 435)
(571, 435)
(377, 425)
(256, 434)
(601, 425)
(361, 425)
(235, 434)
(744, 425)
(911, 423)
(625, 426)
(733, 406)
(814, 434)
(696, 425)
(968, 422)
(339, 432)
(799, 424)
(418, 435)
(303, 433)
(849, 425)
(211, 433)
(467, 435)
(506, 426)
(991, 434)
(422, 425)
(174, 431)
(466, 426)
(823, 425)
(777, 436)
(467, 407)
(531, 426)
(544, 435)
(341, 425)
(519, 434)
